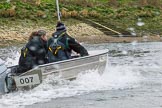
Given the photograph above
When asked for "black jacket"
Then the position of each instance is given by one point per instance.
(33, 54)
(70, 42)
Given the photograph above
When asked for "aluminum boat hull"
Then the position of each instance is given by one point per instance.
(67, 69)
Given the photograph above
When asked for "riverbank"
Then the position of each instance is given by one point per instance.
(18, 34)
(20, 18)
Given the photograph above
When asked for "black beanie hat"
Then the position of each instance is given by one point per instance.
(60, 27)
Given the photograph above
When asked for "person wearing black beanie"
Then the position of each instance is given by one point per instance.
(68, 43)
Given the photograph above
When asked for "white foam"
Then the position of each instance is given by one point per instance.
(1, 61)
(12, 59)
(113, 78)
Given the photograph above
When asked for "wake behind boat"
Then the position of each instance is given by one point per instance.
(67, 69)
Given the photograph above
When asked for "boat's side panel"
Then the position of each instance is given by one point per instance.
(70, 69)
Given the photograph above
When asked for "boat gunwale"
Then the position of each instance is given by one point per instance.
(74, 59)
(105, 51)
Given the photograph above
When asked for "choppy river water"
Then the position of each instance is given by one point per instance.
(132, 79)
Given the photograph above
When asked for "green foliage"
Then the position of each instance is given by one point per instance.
(100, 6)
(120, 14)
(5, 5)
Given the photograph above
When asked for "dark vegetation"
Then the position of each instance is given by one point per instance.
(122, 14)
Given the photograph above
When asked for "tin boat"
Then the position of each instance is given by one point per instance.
(67, 69)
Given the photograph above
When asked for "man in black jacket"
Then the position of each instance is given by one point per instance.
(34, 53)
(60, 45)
